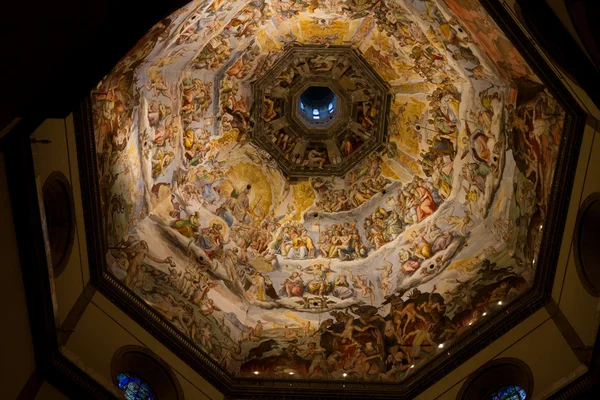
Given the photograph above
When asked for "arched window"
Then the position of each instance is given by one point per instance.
(499, 379)
(134, 388)
(510, 392)
(142, 375)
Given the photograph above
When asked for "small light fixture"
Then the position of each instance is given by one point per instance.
(441, 345)
(255, 372)
(344, 374)
(484, 314)
(412, 366)
(291, 373)
(470, 323)
(500, 303)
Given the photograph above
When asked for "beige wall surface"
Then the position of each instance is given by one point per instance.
(574, 301)
(103, 329)
(59, 156)
(17, 361)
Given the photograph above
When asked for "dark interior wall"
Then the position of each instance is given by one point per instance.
(17, 361)
(53, 52)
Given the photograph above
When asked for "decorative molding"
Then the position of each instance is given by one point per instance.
(325, 134)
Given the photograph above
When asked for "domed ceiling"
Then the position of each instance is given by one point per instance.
(357, 253)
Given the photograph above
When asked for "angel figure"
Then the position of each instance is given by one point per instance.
(384, 282)
(365, 286)
(460, 224)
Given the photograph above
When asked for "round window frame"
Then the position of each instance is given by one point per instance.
(590, 201)
(144, 364)
(59, 178)
(495, 375)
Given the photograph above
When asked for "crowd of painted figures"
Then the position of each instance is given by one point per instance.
(362, 184)
(363, 343)
(342, 294)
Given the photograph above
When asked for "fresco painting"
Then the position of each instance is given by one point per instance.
(357, 277)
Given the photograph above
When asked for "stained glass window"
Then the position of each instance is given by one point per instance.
(511, 392)
(134, 388)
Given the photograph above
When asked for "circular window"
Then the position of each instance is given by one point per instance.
(510, 392)
(501, 379)
(142, 375)
(587, 237)
(60, 219)
(134, 388)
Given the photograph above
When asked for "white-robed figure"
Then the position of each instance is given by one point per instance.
(302, 247)
(298, 251)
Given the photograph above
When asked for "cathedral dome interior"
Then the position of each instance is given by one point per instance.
(328, 191)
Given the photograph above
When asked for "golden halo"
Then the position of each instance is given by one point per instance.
(224, 228)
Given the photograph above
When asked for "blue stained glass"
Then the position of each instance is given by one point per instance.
(511, 392)
(134, 388)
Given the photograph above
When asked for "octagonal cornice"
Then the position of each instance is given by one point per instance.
(304, 147)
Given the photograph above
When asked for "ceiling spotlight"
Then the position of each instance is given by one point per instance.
(412, 366)
(291, 373)
(470, 323)
(255, 372)
(484, 314)
(500, 303)
(344, 374)
(441, 345)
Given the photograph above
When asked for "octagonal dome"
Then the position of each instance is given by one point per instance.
(357, 269)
